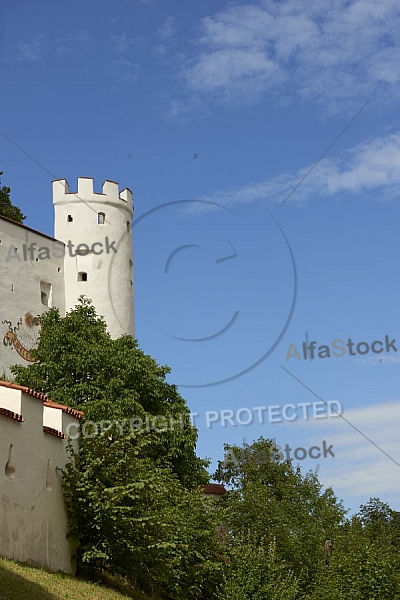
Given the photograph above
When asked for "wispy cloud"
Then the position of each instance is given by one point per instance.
(332, 53)
(167, 29)
(359, 467)
(376, 360)
(165, 35)
(120, 43)
(30, 51)
(372, 167)
(182, 111)
(74, 44)
(123, 69)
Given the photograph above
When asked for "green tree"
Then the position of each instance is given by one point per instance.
(358, 568)
(133, 518)
(79, 365)
(256, 573)
(272, 502)
(133, 495)
(6, 208)
(380, 521)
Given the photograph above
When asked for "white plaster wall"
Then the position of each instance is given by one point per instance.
(33, 520)
(52, 417)
(10, 401)
(109, 276)
(20, 285)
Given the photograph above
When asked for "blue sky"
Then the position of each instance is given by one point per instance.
(257, 91)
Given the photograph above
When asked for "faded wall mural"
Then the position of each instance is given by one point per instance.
(24, 336)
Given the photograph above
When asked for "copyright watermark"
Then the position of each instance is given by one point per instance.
(58, 250)
(246, 456)
(222, 284)
(338, 348)
(224, 417)
(271, 414)
(158, 423)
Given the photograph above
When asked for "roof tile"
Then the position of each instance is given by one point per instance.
(67, 409)
(12, 415)
(54, 432)
(215, 488)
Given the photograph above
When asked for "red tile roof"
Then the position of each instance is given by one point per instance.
(67, 409)
(12, 415)
(47, 402)
(24, 389)
(215, 488)
(54, 432)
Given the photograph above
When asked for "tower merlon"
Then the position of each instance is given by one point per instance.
(110, 192)
(126, 195)
(111, 189)
(60, 188)
(85, 187)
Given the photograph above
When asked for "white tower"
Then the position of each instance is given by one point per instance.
(97, 231)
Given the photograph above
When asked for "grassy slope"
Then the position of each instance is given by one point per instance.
(22, 582)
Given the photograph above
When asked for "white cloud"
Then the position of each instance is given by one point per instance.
(74, 44)
(332, 53)
(120, 43)
(167, 29)
(30, 52)
(375, 360)
(166, 35)
(359, 467)
(183, 111)
(123, 69)
(371, 167)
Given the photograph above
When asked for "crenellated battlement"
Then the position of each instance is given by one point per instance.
(86, 192)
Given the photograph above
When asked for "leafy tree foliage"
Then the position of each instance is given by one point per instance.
(81, 366)
(136, 519)
(380, 521)
(134, 497)
(6, 208)
(273, 503)
(256, 573)
(359, 568)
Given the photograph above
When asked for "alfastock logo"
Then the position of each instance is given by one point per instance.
(338, 348)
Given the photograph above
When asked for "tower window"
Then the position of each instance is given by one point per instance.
(70, 218)
(128, 226)
(45, 293)
(101, 218)
(82, 276)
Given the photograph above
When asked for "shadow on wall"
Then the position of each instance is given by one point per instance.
(16, 587)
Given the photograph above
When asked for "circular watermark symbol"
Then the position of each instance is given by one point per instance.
(233, 276)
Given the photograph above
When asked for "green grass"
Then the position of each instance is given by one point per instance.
(22, 582)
